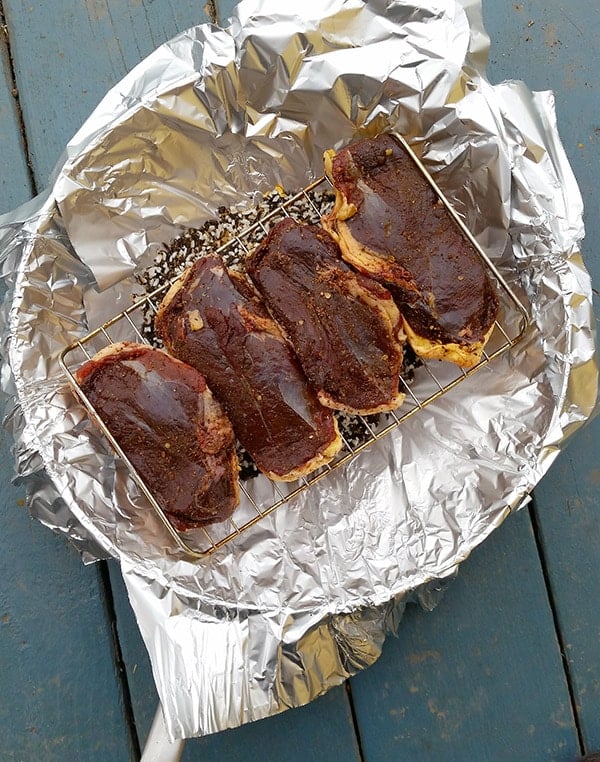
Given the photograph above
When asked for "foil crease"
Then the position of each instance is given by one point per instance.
(218, 116)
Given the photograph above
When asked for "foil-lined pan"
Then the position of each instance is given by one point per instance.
(217, 117)
(422, 391)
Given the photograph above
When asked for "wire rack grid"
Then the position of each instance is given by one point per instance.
(422, 389)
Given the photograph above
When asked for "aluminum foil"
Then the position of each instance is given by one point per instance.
(217, 117)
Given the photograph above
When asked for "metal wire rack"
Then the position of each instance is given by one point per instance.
(422, 389)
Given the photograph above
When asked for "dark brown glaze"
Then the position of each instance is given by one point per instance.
(343, 326)
(438, 278)
(170, 427)
(213, 320)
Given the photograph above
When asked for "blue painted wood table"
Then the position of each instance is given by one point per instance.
(507, 667)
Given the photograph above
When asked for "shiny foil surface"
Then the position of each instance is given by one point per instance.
(217, 117)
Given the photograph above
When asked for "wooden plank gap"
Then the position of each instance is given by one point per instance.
(211, 11)
(555, 618)
(109, 605)
(6, 50)
(348, 687)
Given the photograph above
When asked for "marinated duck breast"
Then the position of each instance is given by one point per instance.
(213, 319)
(344, 327)
(166, 421)
(391, 225)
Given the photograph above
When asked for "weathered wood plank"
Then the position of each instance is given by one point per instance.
(568, 517)
(479, 678)
(15, 183)
(224, 10)
(322, 730)
(67, 56)
(60, 695)
(142, 690)
(553, 46)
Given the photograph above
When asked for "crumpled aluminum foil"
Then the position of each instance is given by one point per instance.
(217, 117)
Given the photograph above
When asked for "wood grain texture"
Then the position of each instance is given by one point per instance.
(67, 55)
(554, 46)
(15, 183)
(479, 678)
(568, 517)
(60, 696)
(144, 698)
(57, 669)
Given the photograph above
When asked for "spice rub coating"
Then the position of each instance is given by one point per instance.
(344, 327)
(391, 224)
(172, 430)
(213, 319)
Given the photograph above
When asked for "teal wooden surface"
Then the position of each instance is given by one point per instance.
(60, 694)
(225, 8)
(67, 55)
(54, 635)
(323, 730)
(567, 510)
(15, 181)
(140, 684)
(483, 676)
(554, 46)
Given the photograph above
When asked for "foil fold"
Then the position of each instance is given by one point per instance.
(218, 117)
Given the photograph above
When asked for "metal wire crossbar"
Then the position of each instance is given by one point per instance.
(425, 387)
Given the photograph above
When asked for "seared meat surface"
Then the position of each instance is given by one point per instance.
(213, 320)
(170, 427)
(390, 224)
(344, 327)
